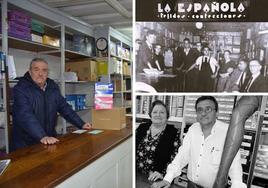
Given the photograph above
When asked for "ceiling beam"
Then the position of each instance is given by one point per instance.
(99, 16)
(67, 3)
(117, 24)
(119, 8)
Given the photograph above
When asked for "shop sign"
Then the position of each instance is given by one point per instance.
(203, 10)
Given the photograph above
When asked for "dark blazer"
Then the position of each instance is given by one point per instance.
(189, 59)
(35, 112)
(232, 80)
(259, 85)
(145, 55)
(165, 147)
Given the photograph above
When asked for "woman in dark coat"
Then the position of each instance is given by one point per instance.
(156, 143)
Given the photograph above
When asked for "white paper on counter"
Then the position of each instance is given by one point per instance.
(79, 131)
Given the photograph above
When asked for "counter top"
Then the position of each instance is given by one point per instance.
(46, 166)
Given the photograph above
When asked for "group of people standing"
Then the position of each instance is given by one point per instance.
(197, 70)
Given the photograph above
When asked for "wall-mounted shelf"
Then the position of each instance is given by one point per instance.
(71, 54)
(27, 45)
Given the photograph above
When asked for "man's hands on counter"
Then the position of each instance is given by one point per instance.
(49, 140)
(161, 184)
(87, 126)
(52, 140)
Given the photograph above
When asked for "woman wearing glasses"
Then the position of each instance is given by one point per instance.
(202, 149)
(156, 143)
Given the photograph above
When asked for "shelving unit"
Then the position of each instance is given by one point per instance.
(255, 44)
(255, 132)
(55, 24)
(119, 59)
(258, 172)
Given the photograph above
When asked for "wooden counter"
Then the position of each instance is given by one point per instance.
(48, 166)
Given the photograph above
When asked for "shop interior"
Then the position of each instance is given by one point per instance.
(87, 46)
(245, 40)
(254, 146)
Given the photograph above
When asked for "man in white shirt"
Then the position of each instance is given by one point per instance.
(208, 68)
(202, 150)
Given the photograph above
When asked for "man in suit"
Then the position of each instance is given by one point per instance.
(146, 52)
(186, 58)
(256, 82)
(238, 77)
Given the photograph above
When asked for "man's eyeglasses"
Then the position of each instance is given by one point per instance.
(208, 109)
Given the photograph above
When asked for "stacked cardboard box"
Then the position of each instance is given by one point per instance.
(52, 41)
(86, 70)
(114, 119)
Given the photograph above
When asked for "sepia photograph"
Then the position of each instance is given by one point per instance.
(201, 56)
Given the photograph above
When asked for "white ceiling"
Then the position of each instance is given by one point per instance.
(115, 13)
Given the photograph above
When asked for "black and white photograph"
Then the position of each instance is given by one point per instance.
(201, 141)
(201, 56)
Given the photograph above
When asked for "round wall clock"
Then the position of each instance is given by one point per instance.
(101, 44)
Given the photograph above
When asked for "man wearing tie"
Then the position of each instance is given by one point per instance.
(208, 68)
(238, 77)
(257, 82)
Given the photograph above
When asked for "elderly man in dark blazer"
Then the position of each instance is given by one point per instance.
(256, 82)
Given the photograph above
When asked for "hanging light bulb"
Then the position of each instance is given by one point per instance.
(199, 25)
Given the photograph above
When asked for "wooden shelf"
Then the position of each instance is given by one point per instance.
(120, 92)
(115, 74)
(128, 91)
(32, 46)
(127, 76)
(79, 82)
(29, 45)
(71, 54)
(120, 58)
